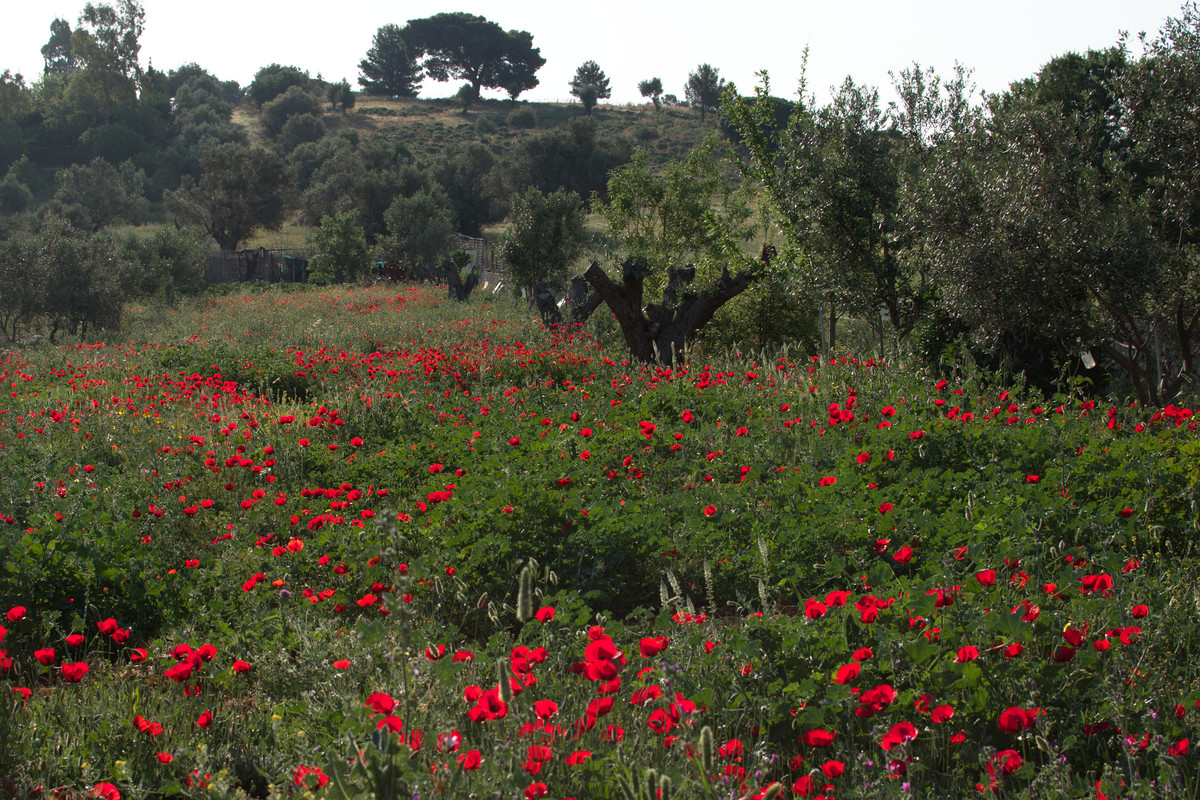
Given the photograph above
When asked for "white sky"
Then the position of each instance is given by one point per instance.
(631, 41)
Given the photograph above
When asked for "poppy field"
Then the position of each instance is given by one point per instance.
(369, 543)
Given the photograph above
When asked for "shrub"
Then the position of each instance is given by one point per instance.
(341, 250)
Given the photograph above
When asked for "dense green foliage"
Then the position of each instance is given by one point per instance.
(341, 254)
(545, 237)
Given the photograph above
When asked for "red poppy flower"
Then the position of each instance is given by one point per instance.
(105, 791)
(392, 723)
(710, 510)
(837, 598)
(652, 646)
(341, 663)
(814, 609)
(1130, 635)
(901, 733)
(138, 654)
(805, 786)
(165, 758)
(107, 626)
(828, 480)
(73, 672)
(16, 613)
(180, 672)
(660, 721)
(204, 720)
(600, 706)
(818, 737)
(833, 769)
(241, 666)
(470, 759)
(1009, 761)
(847, 672)
(74, 640)
(942, 713)
(303, 773)
(45, 656)
(380, 703)
(1014, 719)
(1137, 612)
(903, 555)
(967, 653)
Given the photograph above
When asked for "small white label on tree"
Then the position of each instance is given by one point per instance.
(1088, 361)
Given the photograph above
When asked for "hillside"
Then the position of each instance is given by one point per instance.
(430, 127)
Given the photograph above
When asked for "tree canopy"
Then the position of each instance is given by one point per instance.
(652, 88)
(390, 67)
(589, 85)
(703, 90)
(462, 46)
(238, 191)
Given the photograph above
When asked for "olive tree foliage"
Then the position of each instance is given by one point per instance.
(294, 102)
(545, 235)
(22, 278)
(166, 264)
(97, 194)
(240, 188)
(273, 80)
(1160, 94)
(421, 232)
(841, 183)
(66, 278)
(1035, 234)
(341, 250)
(691, 210)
